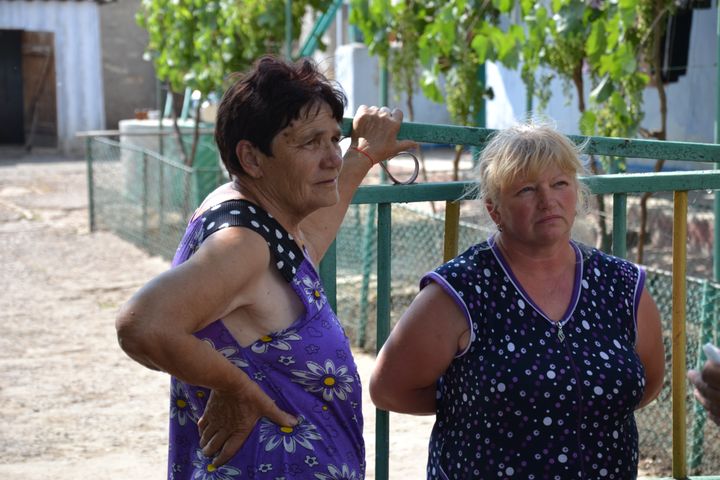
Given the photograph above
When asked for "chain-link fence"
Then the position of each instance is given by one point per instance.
(654, 425)
(147, 199)
(143, 197)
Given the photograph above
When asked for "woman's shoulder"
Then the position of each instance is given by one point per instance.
(473, 257)
(260, 233)
(607, 263)
(221, 194)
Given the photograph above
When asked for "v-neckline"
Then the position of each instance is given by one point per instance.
(577, 283)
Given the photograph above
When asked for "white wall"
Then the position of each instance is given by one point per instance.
(691, 100)
(78, 67)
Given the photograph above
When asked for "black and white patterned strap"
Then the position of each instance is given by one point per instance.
(242, 213)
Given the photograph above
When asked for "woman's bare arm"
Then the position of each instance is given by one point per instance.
(419, 350)
(155, 328)
(650, 347)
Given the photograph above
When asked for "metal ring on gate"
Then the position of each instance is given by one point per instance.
(412, 177)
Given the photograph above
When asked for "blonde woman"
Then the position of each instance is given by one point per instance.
(532, 350)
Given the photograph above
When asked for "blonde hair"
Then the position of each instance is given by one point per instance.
(526, 150)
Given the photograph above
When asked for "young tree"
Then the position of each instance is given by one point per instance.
(197, 43)
(446, 42)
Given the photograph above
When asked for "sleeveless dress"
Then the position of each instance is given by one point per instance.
(532, 399)
(308, 369)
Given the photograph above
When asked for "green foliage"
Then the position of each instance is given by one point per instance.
(606, 43)
(440, 41)
(197, 43)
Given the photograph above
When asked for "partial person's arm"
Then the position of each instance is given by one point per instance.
(707, 388)
(375, 133)
(419, 350)
(155, 328)
(650, 347)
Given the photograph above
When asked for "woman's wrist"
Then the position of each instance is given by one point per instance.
(362, 153)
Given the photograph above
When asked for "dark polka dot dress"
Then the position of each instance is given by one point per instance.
(530, 398)
(307, 368)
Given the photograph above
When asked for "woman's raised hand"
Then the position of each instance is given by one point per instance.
(375, 132)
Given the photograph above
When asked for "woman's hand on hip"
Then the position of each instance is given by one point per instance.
(230, 417)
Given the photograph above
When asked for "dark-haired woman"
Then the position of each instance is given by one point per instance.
(264, 384)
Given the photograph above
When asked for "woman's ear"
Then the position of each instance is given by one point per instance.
(492, 211)
(249, 158)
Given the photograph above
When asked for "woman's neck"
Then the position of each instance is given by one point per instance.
(289, 220)
(531, 258)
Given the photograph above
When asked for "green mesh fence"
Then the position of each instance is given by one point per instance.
(417, 248)
(147, 200)
(654, 425)
(143, 197)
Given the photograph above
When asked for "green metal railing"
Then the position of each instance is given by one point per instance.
(619, 185)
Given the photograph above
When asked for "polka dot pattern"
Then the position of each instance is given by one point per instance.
(230, 214)
(521, 403)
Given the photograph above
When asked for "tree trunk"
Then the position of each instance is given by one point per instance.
(178, 133)
(196, 136)
(605, 239)
(656, 62)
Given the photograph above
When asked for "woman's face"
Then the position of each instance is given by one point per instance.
(537, 211)
(303, 171)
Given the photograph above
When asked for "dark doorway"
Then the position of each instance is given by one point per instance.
(40, 99)
(12, 125)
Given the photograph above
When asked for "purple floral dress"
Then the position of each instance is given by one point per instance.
(531, 398)
(308, 369)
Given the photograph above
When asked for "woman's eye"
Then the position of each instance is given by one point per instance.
(525, 190)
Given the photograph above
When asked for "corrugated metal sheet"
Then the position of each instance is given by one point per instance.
(78, 59)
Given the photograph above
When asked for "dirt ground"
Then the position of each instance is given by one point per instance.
(73, 406)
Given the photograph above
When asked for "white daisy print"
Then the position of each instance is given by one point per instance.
(330, 381)
(205, 470)
(277, 340)
(335, 473)
(313, 291)
(179, 406)
(231, 354)
(272, 435)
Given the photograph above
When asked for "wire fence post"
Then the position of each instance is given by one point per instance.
(90, 183)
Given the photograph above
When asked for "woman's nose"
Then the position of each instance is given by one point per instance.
(332, 156)
(544, 197)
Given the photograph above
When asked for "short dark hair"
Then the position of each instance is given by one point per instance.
(266, 99)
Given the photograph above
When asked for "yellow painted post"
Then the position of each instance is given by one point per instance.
(679, 266)
(452, 228)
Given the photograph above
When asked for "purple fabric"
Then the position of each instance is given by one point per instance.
(308, 369)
